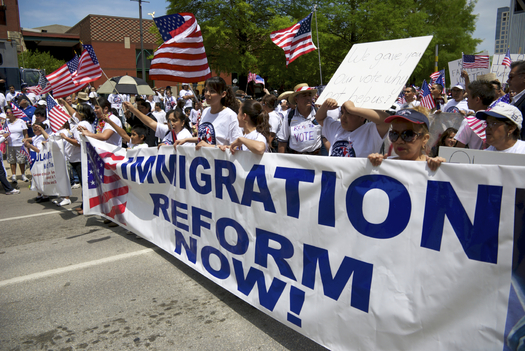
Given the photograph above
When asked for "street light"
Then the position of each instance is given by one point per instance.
(142, 40)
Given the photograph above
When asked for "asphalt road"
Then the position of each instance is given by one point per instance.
(70, 282)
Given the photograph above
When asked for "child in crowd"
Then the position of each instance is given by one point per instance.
(177, 120)
(218, 124)
(40, 137)
(138, 134)
(254, 121)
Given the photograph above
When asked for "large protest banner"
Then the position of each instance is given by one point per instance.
(373, 74)
(49, 170)
(502, 72)
(355, 257)
(454, 71)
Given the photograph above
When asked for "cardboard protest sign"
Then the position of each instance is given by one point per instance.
(502, 72)
(373, 74)
(353, 256)
(49, 170)
(454, 71)
(480, 157)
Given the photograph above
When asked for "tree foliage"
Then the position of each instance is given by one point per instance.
(237, 33)
(39, 60)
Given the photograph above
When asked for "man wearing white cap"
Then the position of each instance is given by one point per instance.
(186, 94)
(504, 123)
(457, 104)
(302, 133)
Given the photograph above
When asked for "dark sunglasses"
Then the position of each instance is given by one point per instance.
(406, 135)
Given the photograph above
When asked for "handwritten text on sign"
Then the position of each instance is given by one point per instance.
(373, 74)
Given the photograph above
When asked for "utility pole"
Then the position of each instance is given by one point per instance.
(143, 59)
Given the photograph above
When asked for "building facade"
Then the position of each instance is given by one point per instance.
(502, 30)
(517, 27)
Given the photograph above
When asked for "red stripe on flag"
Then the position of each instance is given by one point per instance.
(105, 197)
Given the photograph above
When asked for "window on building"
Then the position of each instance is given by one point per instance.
(3, 21)
(517, 6)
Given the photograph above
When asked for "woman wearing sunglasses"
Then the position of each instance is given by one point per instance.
(409, 136)
(504, 123)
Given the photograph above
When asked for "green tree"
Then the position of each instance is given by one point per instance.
(237, 33)
(39, 60)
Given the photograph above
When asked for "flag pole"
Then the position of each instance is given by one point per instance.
(318, 47)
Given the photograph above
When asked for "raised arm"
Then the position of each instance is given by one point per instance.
(69, 109)
(123, 134)
(328, 104)
(375, 116)
(145, 119)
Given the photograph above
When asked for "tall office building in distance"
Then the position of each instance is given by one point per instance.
(502, 30)
(516, 32)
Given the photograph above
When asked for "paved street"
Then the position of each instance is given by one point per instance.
(69, 282)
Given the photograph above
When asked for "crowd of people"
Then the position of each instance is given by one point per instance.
(288, 123)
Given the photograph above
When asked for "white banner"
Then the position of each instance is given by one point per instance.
(49, 170)
(502, 72)
(373, 74)
(454, 72)
(355, 257)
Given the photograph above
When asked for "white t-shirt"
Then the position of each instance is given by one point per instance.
(169, 103)
(275, 122)
(518, 148)
(75, 150)
(188, 102)
(255, 135)
(114, 139)
(194, 116)
(116, 101)
(452, 106)
(163, 133)
(37, 141)
(17, 132)
(220, 128)
(32, 97)
(10, 97)
(160, 116)
(302, 133)
(407, 105)
(137, 146)
(3, 101)
(68, 147)
(361, 142)
(467, 136)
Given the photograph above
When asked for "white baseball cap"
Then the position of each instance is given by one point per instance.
(504, 111)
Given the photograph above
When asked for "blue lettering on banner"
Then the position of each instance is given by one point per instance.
(197, 223)
(161, 168)
(242, 237)
(257, 173)
(182, 168)
(267, 298)
(326, 214)
(333, 287)
(479, 240)
(221, 273)
(293, 176)
(191, 249)
(145, 170)
(227, 180)
(206, 178)
(399, 208)
(263, 250)
(177, 214)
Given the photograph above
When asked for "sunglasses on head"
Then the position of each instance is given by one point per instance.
(406, 135)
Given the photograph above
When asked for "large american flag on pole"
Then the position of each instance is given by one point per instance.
(182, 57)
(43, 86)
(105, 193)
(62, 80)
(475, 61)
(56, 114)
(427, 100)
(295, 40)
(88, 67)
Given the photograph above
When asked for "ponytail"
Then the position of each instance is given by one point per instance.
(258, 117)
(219, 85)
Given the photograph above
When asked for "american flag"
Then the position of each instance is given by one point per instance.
(43, 87)
(427, 100)
(62, 81)
(441, 81)
(182, 57)
(475, 61)
(295, 40)
(478, 126)
(434, 76)
(23, 151)
(251, 77)
(259, 80)
(88, 67)
(507, 60)
(106, 192)
(56, 114)
(401, 98)
(17, 112)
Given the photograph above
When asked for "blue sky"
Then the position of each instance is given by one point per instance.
(66, 12)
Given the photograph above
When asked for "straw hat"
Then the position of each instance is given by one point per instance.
(285, 95)
(298, 89)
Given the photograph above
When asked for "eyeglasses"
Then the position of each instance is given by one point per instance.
(494, 124)
(407, 91)
(406, 135)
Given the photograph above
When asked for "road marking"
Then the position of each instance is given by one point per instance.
(74, 267)
(36, 215)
